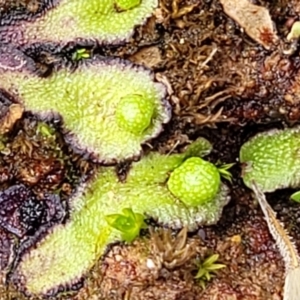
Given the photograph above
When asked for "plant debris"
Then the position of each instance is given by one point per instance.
(254, 19)
(286, 246)
(13, 114)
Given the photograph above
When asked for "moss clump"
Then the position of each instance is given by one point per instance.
(272, 160)
(109, 107)
(68, 251)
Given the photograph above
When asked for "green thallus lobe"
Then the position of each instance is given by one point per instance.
(103, 199)
(109, 21)
(109, 107)
(272, 160)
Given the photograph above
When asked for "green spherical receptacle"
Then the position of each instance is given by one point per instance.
(195, 182)
(134, 113)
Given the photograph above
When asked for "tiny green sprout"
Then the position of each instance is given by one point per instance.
(45, 130)
(296, 196)
(206, 268)
(195, 181)
(129, 223)
(80, 54)
(223, 170)
(134, 113)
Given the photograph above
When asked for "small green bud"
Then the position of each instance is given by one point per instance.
(134, 113)
(195, 182)
(80, 54)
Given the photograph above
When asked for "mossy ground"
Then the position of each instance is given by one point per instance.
(227, 101)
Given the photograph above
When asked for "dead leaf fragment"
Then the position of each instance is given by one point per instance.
(254, 19)
(148, 56)
(14, 113)
(179, 12)
(295, 32)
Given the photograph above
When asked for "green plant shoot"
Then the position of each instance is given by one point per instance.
(45, 130)
(80, 54)
(128, 223)
(223, 170)
(206, 268)
(296, 196)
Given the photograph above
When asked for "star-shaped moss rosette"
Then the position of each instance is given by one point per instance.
(63, 21)
(70, 250)
(109, 107)
(272, 159)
